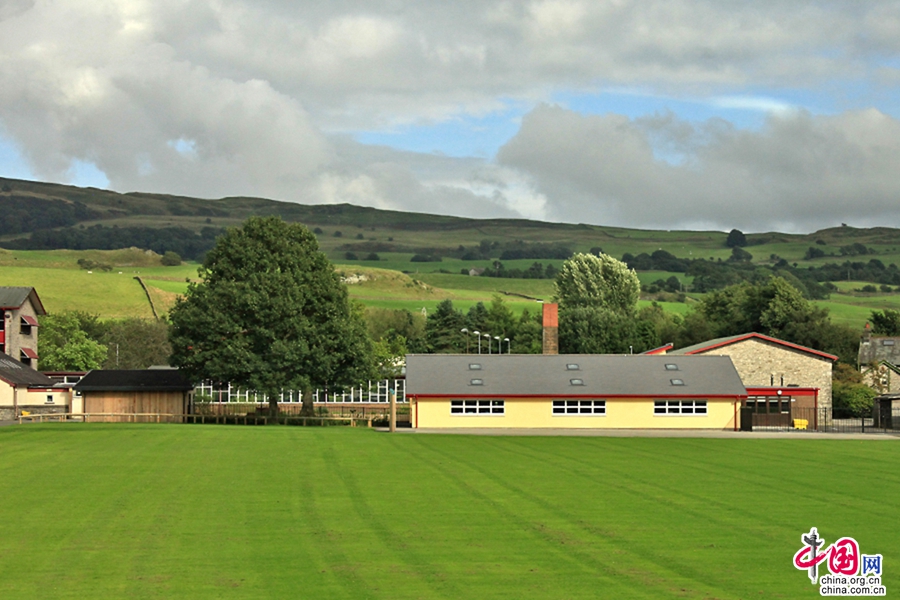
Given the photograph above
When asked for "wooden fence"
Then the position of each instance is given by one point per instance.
(186, 418)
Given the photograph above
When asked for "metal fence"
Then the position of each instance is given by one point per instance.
(818, 420)
(373, 392)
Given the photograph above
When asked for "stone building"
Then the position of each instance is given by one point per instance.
(767, 362)
(21, 308)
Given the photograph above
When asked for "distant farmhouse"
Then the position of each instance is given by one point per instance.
(879, 363)
(19, 329)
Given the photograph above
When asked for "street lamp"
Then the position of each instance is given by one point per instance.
(507, 344)
(488, 336)
(478, 335)
(466, 331)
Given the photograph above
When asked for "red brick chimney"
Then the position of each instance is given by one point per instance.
(551, 329)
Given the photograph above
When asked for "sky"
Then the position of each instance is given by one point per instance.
(659, 114)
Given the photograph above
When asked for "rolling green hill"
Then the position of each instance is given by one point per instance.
(399, 235)
(383, 243)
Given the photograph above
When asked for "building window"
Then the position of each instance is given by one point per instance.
(49, 399)
(671, 367)
(579, 407)
(679, 407)
(476, 407)
(771, 405)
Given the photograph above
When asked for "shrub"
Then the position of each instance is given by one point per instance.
(170, 259)
(852, 400)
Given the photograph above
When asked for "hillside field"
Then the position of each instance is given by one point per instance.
(193, 511)
(63, 285)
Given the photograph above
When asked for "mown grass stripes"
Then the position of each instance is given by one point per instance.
(184, 511)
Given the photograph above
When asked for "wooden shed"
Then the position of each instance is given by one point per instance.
(134, 395)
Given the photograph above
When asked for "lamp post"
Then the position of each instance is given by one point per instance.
(488, 336)
(507, 344)
(466, 331)
(478, 335)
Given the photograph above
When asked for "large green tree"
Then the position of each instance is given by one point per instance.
(64, 345)
(270, 314)
(779, 309)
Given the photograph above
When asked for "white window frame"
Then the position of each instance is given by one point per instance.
(681, 408)
(477, 408)
(578, 408)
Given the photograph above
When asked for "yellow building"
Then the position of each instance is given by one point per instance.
(22, 389)
(573, 391)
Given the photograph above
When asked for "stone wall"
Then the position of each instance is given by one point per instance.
(7, 412)
(762, 363)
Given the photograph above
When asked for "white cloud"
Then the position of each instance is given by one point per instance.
(799, 171)
(211, 98)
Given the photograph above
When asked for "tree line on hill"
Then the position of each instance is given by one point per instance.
(22, 214)
(184, 242)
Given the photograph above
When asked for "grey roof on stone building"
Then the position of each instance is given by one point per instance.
(876, 349)
(18, 373)
(541, 375)
(14, 297)
(733, 339)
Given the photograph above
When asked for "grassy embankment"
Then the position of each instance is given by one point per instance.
(183, 511)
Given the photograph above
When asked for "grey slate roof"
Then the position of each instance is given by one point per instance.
(18, 373)
(149, 380)
(876, 349)
(14, 297)
(731, 339)
(547, 375)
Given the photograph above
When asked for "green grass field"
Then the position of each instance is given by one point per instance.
(185, 511)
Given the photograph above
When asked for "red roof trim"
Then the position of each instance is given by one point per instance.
(747, 336)
(30, 320)
(560, 396)
(660, 350)
(753, 390)
(29, 353)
